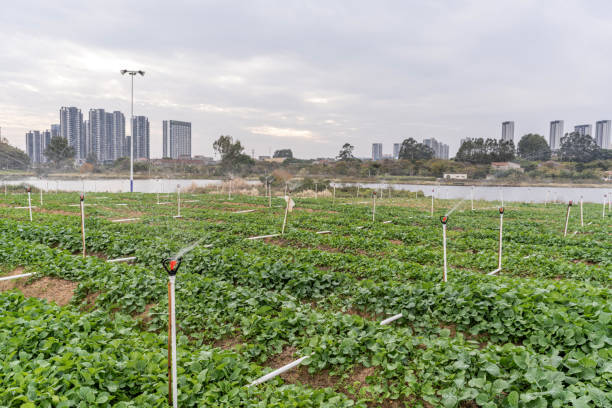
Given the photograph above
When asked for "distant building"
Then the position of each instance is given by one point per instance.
(602, 133)
(34, 146)
(555, 134)
(508, 131)
(71, 129)
(377, 153)
(45, 139)
(505, 166)
(176, 139)
(455, 176)
(96, 134)
(127, 146)
(55, 130)
(440, 149)
(584, 130)
(396, 150)
(140, 132)
(117, 136)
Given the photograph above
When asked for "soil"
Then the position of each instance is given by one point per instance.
(55, 290)
(228, 343)
(145, 317)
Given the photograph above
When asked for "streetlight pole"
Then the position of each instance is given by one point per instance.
(132, 74)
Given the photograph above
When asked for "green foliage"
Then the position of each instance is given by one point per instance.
(286, 153)
(58, 151)
(12, 157)
(412, 150)
(533, 147)
(232, 156)
(481, 151)
(579, 148)
(346, 153)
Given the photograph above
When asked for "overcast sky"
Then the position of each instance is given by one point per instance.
(310, 75)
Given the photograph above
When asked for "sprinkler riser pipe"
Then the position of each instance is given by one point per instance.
(30, 204)
(445, 277)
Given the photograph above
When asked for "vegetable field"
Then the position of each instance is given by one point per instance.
(538, 333)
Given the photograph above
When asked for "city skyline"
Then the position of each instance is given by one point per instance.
(308, 76)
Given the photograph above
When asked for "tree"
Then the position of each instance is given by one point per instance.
(232, 156)
(283, 153)
(579, 148)
(346, 153)
(533, 147)
(58, 150)
(412, 150)
(481, 151)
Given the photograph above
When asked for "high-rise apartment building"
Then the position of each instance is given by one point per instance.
(117, 136)
(176, 139)
(602, 134)
(55, 129)
(508, 131)
(71, 128)
(441, 150)
(45, 139)
(584, 130)
(396, 150)
(96, 134)
(377, 153)
(140, 133)
(36, 144)
(555, 134)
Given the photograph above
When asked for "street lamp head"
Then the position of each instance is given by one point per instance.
(141, 73)
(123, 71)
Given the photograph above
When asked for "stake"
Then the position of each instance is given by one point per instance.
(334, 197)
(83, 222)
(269, 195)
(432, 201)
(546, 199)
(444, 220)
(603, 208)
(316, 191)
(373, 206)
(569, 206)
(41, 200)
(501, 226)
(501, 194)
(472, 197)
(171, 266)
(288, 199)
(30, 202)
(229, 191)
(581, 215)
(178, 200)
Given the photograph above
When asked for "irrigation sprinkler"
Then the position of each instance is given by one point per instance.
(501, 227)
(569, 206)
(444, 220)
(288, 209)
(171, 266)
(472, 197)
(581, 214)
(432, 201)
(334, 196)
(373, 206)
(29, 190)
(83, 222)
(178, 200)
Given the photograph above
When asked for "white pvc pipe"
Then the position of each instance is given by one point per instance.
(494, 272)
(323, 232)
(125, 219)
(264, 236)
(286, 212)
(603, 208)
(432, 202)
(83, 225)
(243, 211)
(30, 205)
(23, 275)
(279, 371)
(41, 198)
(116, 204)
(501, 227)
(569, 206)
(178, 200)
(387, 222)
(391, 319)
(444, 246)
(23, 208)
(581, 214)
(373, 207)
(129, 258)
(472, 197)
(173, 341)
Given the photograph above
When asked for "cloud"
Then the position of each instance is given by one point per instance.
(283, 132)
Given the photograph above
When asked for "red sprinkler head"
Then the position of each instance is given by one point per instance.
(374, 193)
(29, 189)
(501, 210)
(570, 203)
(171, 265)
(82, 197)
(443, 219)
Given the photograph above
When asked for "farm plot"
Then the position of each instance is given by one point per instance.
(536, 334)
